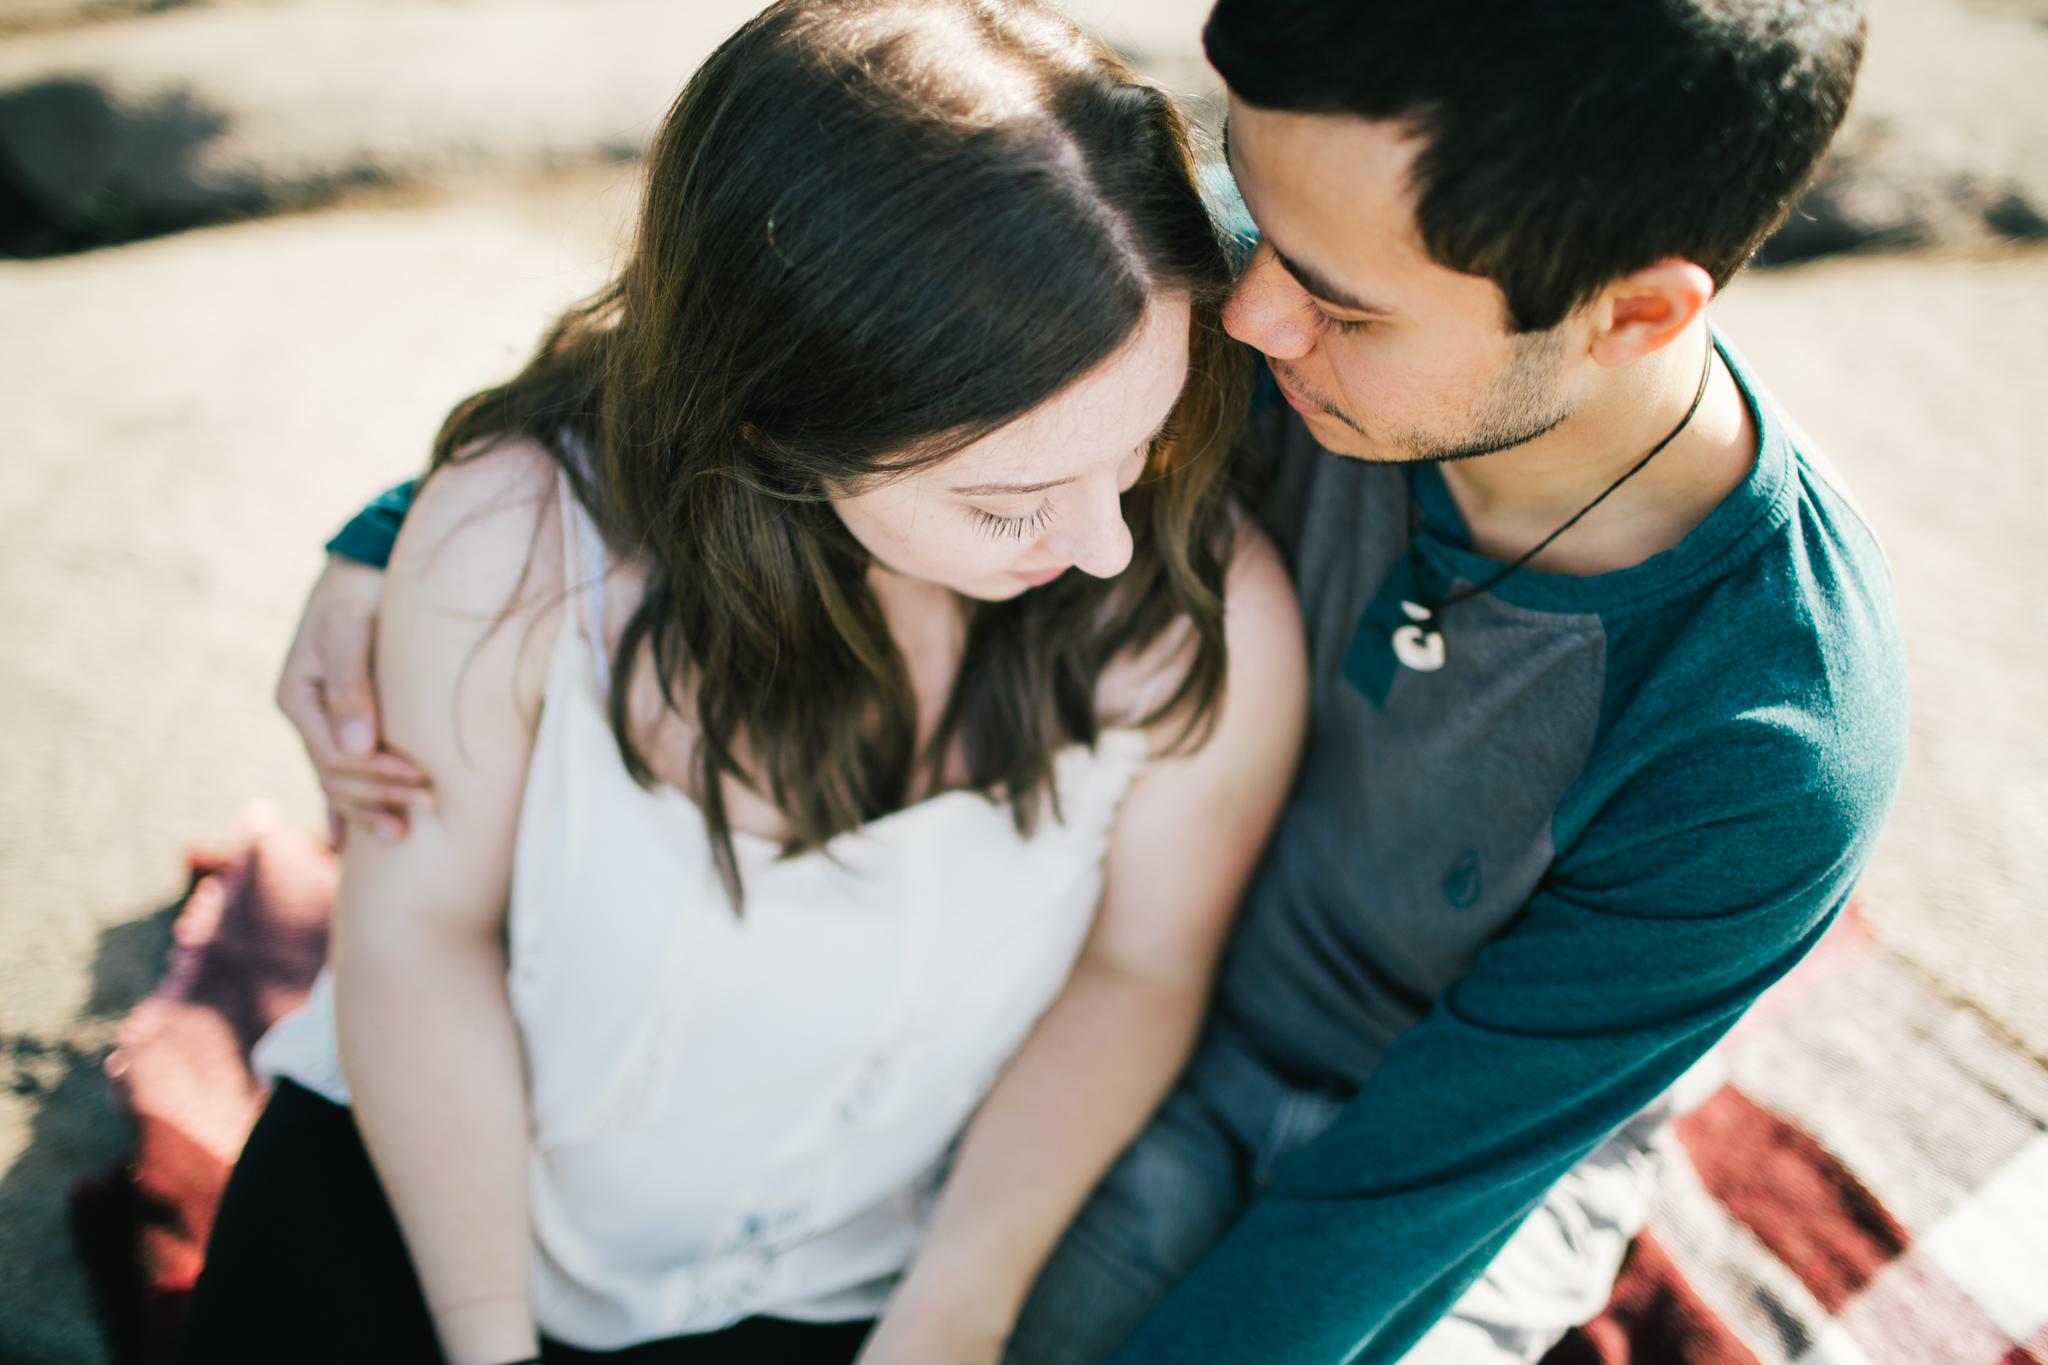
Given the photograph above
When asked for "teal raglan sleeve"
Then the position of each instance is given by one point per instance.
(1698, 876)
(372, 532)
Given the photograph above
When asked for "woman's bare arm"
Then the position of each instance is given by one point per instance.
(428, 1041)
(1103, 1055)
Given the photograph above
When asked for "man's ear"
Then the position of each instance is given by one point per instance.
(1646, 310)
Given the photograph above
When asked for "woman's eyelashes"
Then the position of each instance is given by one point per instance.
(1014, 528)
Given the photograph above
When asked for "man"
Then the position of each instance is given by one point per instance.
(1608, 702)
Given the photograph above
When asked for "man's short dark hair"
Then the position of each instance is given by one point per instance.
(1569, 142)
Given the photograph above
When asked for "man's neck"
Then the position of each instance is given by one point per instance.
(1511, 500)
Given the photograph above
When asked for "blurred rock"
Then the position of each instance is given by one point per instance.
(1946, 143)
(81, 169)
(27, 16)
(114, 131)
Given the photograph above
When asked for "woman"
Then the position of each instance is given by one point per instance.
(788, 781)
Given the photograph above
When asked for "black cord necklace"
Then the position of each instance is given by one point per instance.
(1420, 644)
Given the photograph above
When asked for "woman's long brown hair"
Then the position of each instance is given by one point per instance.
(873, 232)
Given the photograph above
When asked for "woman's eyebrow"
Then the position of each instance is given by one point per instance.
(989, 490)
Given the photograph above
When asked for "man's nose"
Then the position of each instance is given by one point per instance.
(1271, 311)
(1097, 538)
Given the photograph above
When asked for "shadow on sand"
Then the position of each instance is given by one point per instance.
(80, 169)
(47, 1312)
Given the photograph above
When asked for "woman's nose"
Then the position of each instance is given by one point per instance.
(1270, 310)
(1096, 538)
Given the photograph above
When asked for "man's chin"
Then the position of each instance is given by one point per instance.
(1341, 438)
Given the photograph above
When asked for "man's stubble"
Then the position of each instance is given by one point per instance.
(1522, 403)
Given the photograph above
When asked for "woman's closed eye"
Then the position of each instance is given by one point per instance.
(1014, 528)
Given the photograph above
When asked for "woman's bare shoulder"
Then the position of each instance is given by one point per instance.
(484, 530)
(1259, 606)
(475, 587)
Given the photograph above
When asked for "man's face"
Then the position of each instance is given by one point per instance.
(1387, 355)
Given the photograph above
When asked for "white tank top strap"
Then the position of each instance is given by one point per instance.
(585, 570)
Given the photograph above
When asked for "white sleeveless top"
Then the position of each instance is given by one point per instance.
(742, 1115)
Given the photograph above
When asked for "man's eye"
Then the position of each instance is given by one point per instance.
(1345, 325)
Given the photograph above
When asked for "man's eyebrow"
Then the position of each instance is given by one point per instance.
(1323, 289)
(990, 490)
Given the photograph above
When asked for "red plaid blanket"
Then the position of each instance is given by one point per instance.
(1860, 1178)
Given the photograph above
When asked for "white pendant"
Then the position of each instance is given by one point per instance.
(1423, 653)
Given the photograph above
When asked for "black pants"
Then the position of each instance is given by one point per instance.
(306, 1265)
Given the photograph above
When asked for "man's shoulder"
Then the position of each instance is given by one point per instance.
(1775, 677)
(1791, 600)
(1817, 481)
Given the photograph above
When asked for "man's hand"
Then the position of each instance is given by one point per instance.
(329, 693)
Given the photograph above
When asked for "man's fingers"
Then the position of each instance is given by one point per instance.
(352, 712)
(381, 823)
(299, 698)
(327, 689)
(349, 695)
(360, 791)
(301, 707)
(387, 812)
(386, 768)
(392, 827)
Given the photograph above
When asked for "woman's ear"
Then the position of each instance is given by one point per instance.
(1647, 309)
